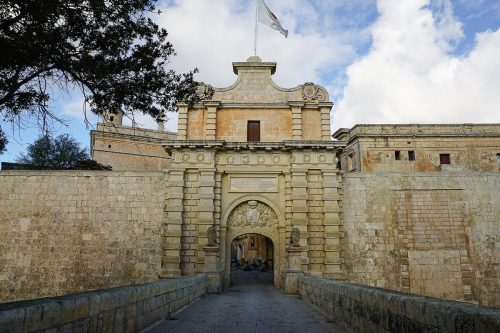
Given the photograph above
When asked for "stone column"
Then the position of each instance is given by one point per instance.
(296, 119)
(294, 271)
(212, 269)
(172, 230)
(333, 227)
(182, 124)
(211, 119)
(325, 108)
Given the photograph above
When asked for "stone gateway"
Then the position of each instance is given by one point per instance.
(256, 159)
(253, 177)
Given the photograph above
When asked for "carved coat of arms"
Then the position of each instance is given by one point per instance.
(253, 214)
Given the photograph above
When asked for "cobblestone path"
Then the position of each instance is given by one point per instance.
(252, 304)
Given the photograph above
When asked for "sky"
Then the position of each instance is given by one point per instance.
(382, 61)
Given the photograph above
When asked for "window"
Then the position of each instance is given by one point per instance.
(111, 118)
(109, 146)
(350, 165)
(253, 130)
(411, 155)
(498, 159)
(444, 158)
(397, 155)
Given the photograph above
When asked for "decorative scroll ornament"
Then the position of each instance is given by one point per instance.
(204, 91)
(313, 94)
(253, 214)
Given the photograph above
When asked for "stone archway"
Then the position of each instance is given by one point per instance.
(254, 216)
(252, 257)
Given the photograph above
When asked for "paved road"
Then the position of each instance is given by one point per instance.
(252, 304)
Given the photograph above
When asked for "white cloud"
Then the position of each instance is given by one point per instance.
(411, 76)
(211, 35)
(73, 107)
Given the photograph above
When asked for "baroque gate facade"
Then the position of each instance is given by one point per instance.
(256, 158)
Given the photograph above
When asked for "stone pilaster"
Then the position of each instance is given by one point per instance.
(182, 123)
(325, 109)
(333, 228)
(211, 119)
(189, 239)
(299, 209)
(315, 222)
(296, 119)
(172, 230)
(217, 210)
(206, 210)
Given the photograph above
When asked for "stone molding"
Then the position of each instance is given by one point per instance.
(170, 145)
(199, 157)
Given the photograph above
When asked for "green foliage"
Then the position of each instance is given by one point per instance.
(60, 153)
(92, 165)
(3, 141)
(110, 49)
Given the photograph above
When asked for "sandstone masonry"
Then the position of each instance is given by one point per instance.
(259, 159)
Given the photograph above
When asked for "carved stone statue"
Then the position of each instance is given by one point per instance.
(212, 241)
(295, 239)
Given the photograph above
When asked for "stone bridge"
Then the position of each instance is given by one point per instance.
(251, 304)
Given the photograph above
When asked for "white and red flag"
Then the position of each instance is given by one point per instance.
(267, 17)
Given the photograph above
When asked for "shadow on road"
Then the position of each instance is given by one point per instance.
(241, 277)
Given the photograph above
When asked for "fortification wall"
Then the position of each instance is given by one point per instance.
(65, 232)
(430, 234)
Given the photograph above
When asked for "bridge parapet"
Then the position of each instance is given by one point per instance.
(368, 309)
(123, 309)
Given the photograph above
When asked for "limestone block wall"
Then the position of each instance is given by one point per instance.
(466, 153)
(430, 234)
(63, 232)
(366, 309)
(130, 154)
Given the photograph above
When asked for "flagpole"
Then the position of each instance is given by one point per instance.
(256, 28)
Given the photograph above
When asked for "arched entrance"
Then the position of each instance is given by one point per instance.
(252, 253)
(258, 218)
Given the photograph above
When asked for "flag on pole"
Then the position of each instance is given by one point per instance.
(267, 17)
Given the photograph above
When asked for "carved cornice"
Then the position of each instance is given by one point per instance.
(286, 145)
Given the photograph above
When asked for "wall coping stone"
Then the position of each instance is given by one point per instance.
(121, 309)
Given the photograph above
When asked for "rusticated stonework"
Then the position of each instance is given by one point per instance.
(253, 214)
